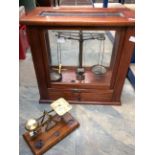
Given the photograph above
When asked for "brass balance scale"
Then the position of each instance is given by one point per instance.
(98, 69)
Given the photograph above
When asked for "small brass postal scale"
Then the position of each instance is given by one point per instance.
(47, 130)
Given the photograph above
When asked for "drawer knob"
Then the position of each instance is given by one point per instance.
(76, 91)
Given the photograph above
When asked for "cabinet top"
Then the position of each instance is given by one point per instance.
(70, 16)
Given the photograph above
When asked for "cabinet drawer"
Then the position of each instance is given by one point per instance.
(68, 95)
(87, 95)
(98, 97)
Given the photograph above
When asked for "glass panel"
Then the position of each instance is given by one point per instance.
(69, 49)
(87, 14)
(78, 53)
(93, 49)
(98, 51)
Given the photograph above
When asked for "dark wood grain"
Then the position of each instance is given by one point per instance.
(127, 50)
(40, 66)
(116, 53)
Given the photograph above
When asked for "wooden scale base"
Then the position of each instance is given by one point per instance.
(52, 136)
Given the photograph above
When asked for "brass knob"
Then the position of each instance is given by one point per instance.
(76, 90)
(31, 124)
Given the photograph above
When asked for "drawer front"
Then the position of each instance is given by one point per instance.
(65, 94)
(98, 97)
(81, 95)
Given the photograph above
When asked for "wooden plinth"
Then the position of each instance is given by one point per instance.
(53, 136)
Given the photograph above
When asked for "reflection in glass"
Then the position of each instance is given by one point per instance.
(81, 51)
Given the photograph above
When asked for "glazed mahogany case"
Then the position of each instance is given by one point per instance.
(92, 90)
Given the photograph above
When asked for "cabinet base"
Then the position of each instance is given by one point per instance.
(41, 101)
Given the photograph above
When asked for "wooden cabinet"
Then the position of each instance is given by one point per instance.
(93, 89)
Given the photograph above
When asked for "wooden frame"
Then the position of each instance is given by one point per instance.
(108, 89)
